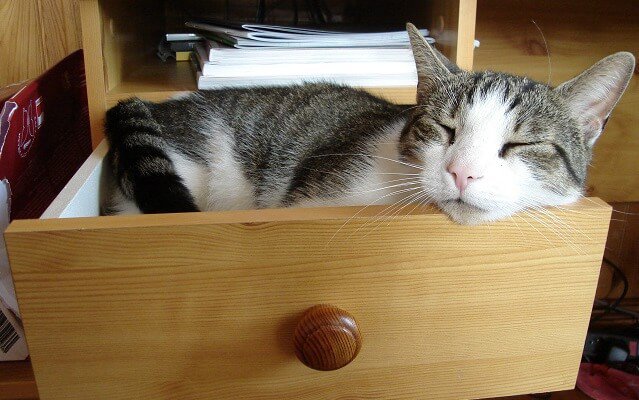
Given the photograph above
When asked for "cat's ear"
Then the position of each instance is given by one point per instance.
(431, 64)
(593, 94)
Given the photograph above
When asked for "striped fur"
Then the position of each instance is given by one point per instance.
(522, 143)
(139, 160)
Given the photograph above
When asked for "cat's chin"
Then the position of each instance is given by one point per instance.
(467, 214)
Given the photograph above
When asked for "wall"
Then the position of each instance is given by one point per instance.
(34, 35)
(578, 33)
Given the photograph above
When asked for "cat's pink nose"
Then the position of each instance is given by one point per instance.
(462, 175)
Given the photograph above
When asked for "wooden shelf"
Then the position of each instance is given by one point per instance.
(154, 80)
(119, 40)
(17, 381)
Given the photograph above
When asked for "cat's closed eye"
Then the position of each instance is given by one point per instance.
(450, 132)
(511, 145)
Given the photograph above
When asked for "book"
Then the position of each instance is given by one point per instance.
(263, 28)
(182, 37)
(182, 55)
(243, 55)
(398, 81)
(259, 36)
(217, 53)
(178, 49)
(378, 80)
(318, 68)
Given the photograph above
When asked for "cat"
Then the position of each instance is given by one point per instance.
(480, 145)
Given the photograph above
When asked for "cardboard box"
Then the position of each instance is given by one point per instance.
(13, 345)
(44, 138)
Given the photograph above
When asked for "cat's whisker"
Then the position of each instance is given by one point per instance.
(523, 237)
(395, 173)
(365, 207)
(624, 212)
(423, 195)
(389, 218)
(369, 155)
(560, 221)
(560, 228)
(386, 215)
(539, 214)
(339, 174)
(543, 37)
(350, 193)
(526, 212)
(394, 214)
(530, 215)
(424, 199)
(360, 192)
(389, 207)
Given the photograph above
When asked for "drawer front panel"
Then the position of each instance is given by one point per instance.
(205, 305)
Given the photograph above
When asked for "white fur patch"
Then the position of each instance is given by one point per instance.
(193, 176)
(227, 188)
(387, 182)
(482, 132)
(183, 95)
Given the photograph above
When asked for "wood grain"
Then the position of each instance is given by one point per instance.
(17, 381)
(203, 305)
(578, 33)
(21, 46)
(622, 249)
(35, 35)
(61, 33)
(466, 34)
(91, 18)
(326, 338)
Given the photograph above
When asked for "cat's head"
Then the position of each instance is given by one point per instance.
(491, 144)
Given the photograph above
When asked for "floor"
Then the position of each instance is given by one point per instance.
(565, 395)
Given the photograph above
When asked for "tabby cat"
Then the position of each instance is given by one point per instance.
(480, 145)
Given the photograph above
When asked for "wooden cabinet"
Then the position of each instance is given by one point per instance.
(120, 38)
(35, 35)
(204, 305)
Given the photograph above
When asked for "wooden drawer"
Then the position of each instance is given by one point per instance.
(204, 305)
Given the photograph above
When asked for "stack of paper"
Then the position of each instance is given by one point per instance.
(257, 55)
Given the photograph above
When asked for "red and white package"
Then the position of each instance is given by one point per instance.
(44, 138)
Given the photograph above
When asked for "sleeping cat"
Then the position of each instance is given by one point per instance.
(480, 145)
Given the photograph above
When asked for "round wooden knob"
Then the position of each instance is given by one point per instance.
(327, 338)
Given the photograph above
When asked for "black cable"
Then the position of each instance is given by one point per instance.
(618, 309)
(626, 285)
(261, 11)
(317, 9)
(614, 304)
(326, 10)
(311, 11)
